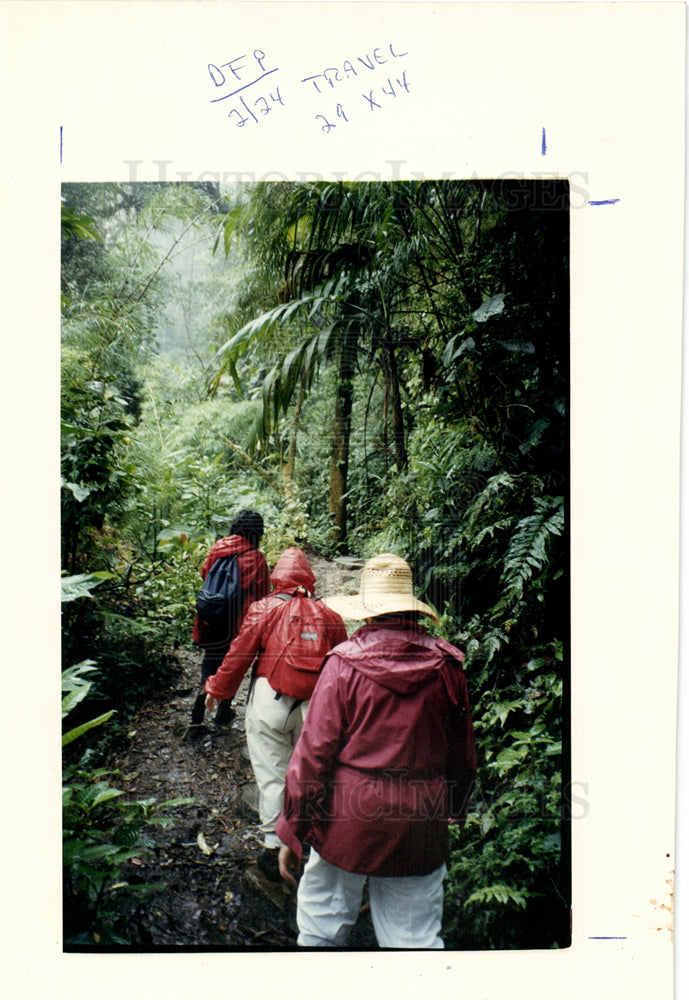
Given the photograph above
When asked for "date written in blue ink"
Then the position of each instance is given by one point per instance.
(244, 82)
(254, 110)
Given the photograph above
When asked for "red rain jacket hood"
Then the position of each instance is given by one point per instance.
(402, 657)
(233, 545)
(292, 571)
(260, 627)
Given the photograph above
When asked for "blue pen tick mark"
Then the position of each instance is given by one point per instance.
(605, 201)
(544, 148)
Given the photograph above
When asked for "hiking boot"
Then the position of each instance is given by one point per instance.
(198, 710)
(195, 733)
(267, 861)
(225, 714)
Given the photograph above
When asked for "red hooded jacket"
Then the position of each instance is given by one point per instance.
(253, 573)
(291, 573)
(386, 754)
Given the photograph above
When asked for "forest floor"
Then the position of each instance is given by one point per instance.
(203, 889)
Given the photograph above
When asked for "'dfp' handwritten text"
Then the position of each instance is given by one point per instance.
(238, 74)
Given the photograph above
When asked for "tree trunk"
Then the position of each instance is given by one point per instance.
(292, 503)
(288, 467)
(397, 414)
(339, 460)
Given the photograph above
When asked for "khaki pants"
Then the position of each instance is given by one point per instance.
(406, 912)
(272, 729)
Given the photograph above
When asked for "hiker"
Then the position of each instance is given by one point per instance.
(287, 635)
(385, 760)
(242, 542)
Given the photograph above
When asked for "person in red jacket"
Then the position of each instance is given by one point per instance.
(286, 635)
(243, 540)
(386, 758)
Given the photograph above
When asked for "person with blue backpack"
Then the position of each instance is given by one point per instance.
(234, 574)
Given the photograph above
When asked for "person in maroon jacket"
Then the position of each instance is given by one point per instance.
(286, 635)
(243, 540)
(385, 760)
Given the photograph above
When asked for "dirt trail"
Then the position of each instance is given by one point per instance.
(208, 892)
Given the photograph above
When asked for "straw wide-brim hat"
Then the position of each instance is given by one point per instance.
(386, 588)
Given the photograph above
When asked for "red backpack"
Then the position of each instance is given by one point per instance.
(297, 646)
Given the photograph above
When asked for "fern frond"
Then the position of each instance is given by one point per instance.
(496, 487)
(499, 893)
(529, 548)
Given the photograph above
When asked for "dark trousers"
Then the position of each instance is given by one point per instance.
(212, 658)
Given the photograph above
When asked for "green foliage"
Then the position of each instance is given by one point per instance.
(94, 421)
(101, 833)
(75, 688)
(508, 859)
(82, 226)
(110, 317)
(132, 636)
(101, 830)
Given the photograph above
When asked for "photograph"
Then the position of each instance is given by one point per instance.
(325, 385)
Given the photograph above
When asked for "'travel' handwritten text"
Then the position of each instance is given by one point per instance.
(332, 75)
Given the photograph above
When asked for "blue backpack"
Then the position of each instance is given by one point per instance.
(220, 599)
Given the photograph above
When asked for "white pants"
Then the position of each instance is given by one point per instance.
(406, 912)
(272, 729)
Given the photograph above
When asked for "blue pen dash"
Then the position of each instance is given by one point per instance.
(544, 148)
(60, 143)
(600, 938)
(605, 201)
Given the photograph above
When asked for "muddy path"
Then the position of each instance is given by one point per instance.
(203, 889)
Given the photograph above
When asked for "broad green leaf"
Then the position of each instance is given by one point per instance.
(81, 585)
(491, 307)
(79, 492)
(74, 734)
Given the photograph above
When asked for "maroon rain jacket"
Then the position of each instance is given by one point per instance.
(253, 574)
(291, 573)
(386, 754)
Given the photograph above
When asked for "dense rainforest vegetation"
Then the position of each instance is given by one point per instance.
(374, 367)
